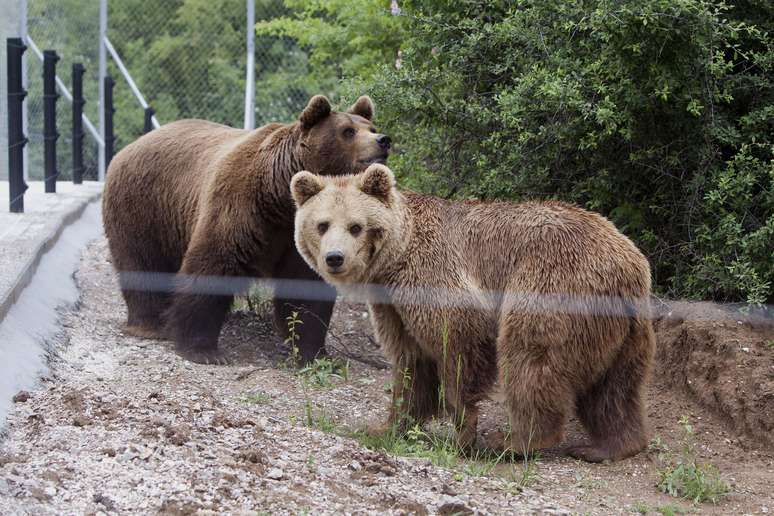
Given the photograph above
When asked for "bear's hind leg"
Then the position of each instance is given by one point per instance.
(145, 311)
(194, 322)
(612, 410)
(532, 375)
(538, 406)
(204, 290)
(146, 289)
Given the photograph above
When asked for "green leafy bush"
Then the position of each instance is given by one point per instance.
(690, 479)
(657, 113)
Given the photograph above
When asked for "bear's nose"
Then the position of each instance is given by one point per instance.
(334, 259)
(384, 141)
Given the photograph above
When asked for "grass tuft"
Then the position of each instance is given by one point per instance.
(319, 419)
(688, 478)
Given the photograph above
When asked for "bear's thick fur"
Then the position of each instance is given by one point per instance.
(198, 201)
(546, 297)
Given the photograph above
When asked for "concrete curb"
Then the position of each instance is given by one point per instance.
(9, 297)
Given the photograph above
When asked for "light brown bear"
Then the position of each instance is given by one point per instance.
(206, 204)
(547, 297)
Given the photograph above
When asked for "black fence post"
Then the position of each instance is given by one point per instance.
(50, 136)
(108, 107)
(16, 139)
(149, 112)
(78, 103)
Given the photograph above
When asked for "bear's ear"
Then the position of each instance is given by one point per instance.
(304, 186)
(364, 107)
(378, 181)
(318, 108)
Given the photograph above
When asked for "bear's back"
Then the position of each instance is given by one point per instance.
(556, 247)
(163, 176)
(547, 246)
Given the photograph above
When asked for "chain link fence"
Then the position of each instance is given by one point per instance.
(187, 57)
(71, 28)
(11, 26)
(189, 60)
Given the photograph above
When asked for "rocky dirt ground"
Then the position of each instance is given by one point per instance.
(122, 425)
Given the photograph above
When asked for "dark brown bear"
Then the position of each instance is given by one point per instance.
(200, 202)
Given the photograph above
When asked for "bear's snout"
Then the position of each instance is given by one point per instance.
(384, 141)
(334, 259)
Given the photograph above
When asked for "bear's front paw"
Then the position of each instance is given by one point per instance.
(589, 453)
(203, 356)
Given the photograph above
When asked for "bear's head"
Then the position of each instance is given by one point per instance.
(334, 143)
(348, 227)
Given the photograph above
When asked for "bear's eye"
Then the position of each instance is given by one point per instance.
(349, 132)
(355, 229)
(322, 227)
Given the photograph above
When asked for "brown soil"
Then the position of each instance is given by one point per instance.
(724, 361)
(124, 425)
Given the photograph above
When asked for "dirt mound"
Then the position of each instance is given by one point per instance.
(722, 359)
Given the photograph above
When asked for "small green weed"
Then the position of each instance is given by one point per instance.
(671, 510)
(477, 468)
(687, 478)
(657, 447)
(442, 451)
(257, 398)
(769, 344)
(481, 463)
(311, 464)
(664, 510)
(323, 371)
(640, 508)
(526, 474)
(294, 358)
(318, 419)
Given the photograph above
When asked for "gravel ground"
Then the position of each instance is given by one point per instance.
(124, 425)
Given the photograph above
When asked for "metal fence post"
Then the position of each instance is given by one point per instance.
(148, 127)
(78, 103)
(50, 135)
(103, 26)
(23, 15)
(16, 138)
(250, 67)
(108, 117)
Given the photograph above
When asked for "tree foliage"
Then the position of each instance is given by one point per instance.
(657, 113)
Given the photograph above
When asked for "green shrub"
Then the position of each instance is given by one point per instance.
(657, 113)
